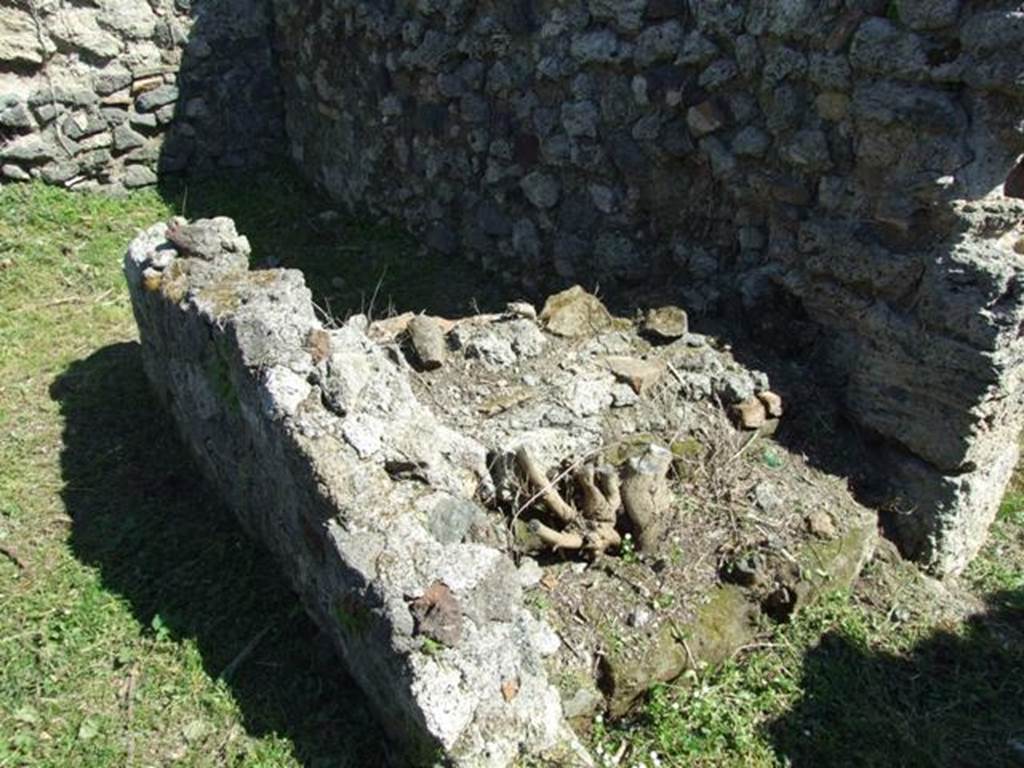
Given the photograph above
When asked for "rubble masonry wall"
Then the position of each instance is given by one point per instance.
(113, 93)
(860, 157)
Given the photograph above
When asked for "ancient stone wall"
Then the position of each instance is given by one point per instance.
(298, 428)
(857, 156)
(111, 93)
(857, 160)
(507, 523)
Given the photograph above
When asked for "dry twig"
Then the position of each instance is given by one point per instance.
(12, 554)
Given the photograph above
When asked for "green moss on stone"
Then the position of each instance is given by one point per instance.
(726, 622)
(218, 373)
(835, 564)
(630, 446)
(354, 617)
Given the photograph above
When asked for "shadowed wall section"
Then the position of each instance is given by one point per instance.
(851, 155)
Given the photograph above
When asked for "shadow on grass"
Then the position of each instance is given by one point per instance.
(953, 700)
(146, 519)
(351, 265)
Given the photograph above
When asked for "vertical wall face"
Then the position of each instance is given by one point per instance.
(234, 355)
(862, 156)
(857, 155)
(113, 92)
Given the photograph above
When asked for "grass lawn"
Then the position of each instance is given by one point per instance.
(140, 627)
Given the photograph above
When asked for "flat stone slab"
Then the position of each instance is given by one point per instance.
(551, 515)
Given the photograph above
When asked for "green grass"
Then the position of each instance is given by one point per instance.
(134, 589)
(901, 672)
(128, 593)
(999, 572)
(848, 684)
(350, 265)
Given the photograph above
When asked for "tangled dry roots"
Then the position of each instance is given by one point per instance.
(642, 492)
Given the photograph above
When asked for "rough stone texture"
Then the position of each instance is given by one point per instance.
(408, 504)
(109, 94)
(19, 44)
(301, 429)
(728, 619)
(815, 150)
(862, 159)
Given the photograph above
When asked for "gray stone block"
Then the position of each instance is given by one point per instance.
(125, 139)
(541, 189)
(30, 148)
(156, 97)
(19, 43)
(138, 176)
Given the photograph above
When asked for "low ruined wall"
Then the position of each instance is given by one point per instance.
(114, 92)
(298, 429)
(857, 156)
(501, 520)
